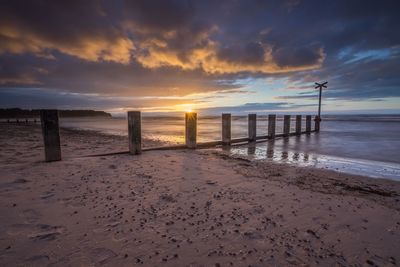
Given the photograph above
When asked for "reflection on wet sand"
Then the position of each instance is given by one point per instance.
(279, 151)
(291, 150)
(251, 150)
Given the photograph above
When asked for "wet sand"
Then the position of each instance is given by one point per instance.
(184, 208)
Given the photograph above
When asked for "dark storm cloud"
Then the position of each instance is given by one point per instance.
(160, 15)
(179, 47)
(108, 78)
(297, 56)
(250, 53)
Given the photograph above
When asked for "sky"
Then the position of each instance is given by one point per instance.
(234, 56)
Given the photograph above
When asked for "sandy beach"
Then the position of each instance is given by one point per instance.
(184, 208)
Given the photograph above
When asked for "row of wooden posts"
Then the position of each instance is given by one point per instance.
(191, 124)
(51, 136)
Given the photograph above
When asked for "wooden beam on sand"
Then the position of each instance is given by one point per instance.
(204, 145)
(271, 125)
(190, 129)
(51, 134)
(298, 124)
(226, 128)
(252, 127)
(308, 124)
(135, 132)
(286, 125)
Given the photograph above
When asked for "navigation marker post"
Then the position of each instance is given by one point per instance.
(318, 118)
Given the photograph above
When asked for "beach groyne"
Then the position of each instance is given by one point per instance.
(52, 146)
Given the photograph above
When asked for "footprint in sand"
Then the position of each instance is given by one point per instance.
(46, 195)
(118, 237)
(47, 232)
(30, 215)
(37, 260)
(20, 228)
(102, 255)
(14, 185)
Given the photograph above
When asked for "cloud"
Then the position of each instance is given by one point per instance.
(201, 52)
(367, 78)
(155, 34)
(159, 15)
(299, 56)
(43, 27)
(182, 47)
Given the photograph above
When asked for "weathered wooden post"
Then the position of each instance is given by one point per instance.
(286, 125)
(51, 134)
(317, 121)
(226, 128)
(135, 132)
(252, 127)
(191, 129)
(308, 123)
(271, 125)
(298, 124)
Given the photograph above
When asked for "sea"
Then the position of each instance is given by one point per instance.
(357, 144)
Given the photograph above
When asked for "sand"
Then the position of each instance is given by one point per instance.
(184, 208)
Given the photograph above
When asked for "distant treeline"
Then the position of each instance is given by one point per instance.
(29, 113)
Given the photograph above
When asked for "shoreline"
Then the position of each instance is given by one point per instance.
(185, 207)
(258, 152)
(353, 166)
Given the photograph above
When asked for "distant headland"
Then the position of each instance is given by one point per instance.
(29, 113)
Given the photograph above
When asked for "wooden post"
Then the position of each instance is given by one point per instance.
(308, 123)
(51, 134)
(191, 129)
(135, 132)
(286, 125)
(226, 128)
(298, 124)
(252, 127)
(317, 121)
(271, 125)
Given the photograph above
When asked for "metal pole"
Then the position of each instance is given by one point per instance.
(319, 104)
(318, 118)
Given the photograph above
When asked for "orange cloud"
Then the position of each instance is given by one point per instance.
(206, 58)
(93, 48)
(184, 48)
